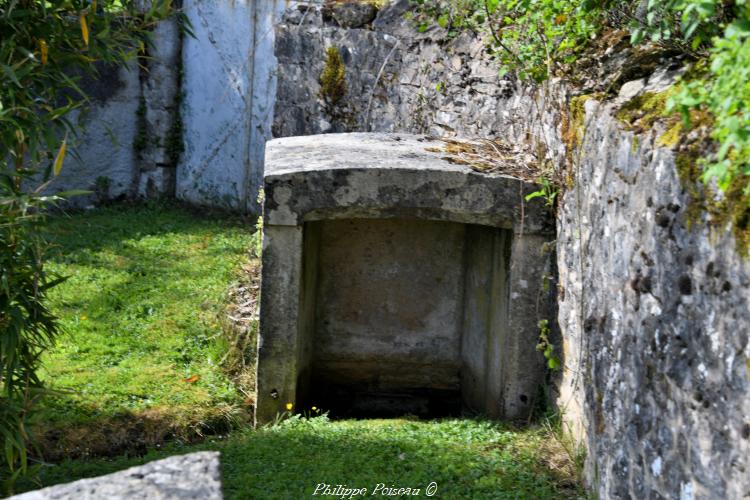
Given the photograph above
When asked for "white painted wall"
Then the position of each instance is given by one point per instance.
(229, 87)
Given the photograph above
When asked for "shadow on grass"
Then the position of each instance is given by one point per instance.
(149, 281)
(108, 227)
(465, 459)
(134, 433)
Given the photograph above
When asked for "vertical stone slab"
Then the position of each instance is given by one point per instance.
(498, 327)
(278, 345)
(524, 366)
(477, 286)
(156, 160)
(230, 89)
(486, 328)
(307, 304)
(216, 104)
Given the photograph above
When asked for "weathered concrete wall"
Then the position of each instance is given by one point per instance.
(389, 308)
(654, 309)
(229, 87)
(124, 150)
(193, 121)
(104, 149)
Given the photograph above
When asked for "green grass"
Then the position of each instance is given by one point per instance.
(465, 458)
(140, 311)
(140, 314)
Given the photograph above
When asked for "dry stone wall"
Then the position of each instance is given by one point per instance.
(654, 307)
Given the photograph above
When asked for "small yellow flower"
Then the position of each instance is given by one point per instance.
(289, 406)
(84, 317)
(314, 408)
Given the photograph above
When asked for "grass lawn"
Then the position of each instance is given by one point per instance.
(140, 372)
(465, 458)
(142, 344)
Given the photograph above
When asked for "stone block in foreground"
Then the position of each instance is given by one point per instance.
(194, 476)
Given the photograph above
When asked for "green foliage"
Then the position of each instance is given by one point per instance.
(465, 458)
(725, 94)
(532, 38)
(27, 327)
(546, 346)
(46, 48)
(687, 25)
(536, 38)
(548, 191)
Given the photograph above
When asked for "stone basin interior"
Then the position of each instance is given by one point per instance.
(403, 316)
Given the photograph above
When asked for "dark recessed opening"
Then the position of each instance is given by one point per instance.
(402, 316)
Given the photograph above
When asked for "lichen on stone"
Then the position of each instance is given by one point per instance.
(573, 129)
(672, 136)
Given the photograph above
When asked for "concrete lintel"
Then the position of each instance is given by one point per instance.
(383, 175)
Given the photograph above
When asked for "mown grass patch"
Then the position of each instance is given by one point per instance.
(143, 345)
(464, 458)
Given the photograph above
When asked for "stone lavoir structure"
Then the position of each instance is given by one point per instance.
(653, 304)
(397, 282)
(653, 301)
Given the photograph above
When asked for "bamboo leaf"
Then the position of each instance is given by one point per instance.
(60, 157)
(74, 192)
(44, 51)
(84, 29)
(10, 74)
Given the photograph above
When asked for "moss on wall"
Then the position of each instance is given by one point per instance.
(333, 86)
(573, 129)
(731, 208)
(643, 111)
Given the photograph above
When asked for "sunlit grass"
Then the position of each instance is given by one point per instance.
(140, 311)
(464, 458)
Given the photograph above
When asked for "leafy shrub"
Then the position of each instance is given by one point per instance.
(27, 325)
(687, 25)
(46, 47)
(532, 38)
(725, 93)
(536, 39)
